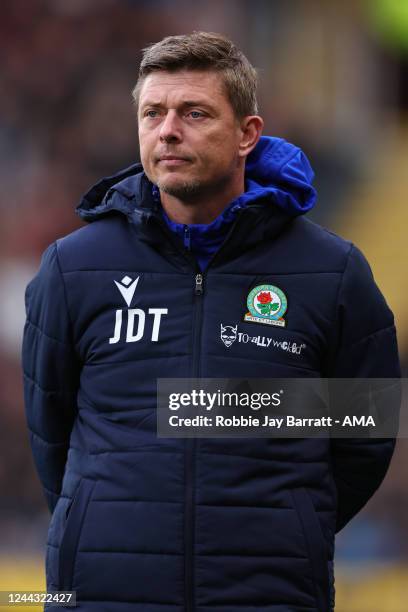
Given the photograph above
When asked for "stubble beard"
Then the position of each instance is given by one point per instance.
(185, 190)
(193, 190)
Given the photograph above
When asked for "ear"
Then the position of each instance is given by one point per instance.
(251, 131)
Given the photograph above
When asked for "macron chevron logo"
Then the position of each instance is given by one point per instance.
(127, 288)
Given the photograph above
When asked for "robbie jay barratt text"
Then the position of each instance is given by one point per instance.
(288, 421)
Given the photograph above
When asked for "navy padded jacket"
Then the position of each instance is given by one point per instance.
(147, 524)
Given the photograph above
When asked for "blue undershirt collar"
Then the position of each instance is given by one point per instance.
(204, 240)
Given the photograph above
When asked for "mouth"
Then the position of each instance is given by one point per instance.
(172, 160)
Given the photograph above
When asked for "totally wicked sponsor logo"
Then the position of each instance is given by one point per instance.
(230, 334)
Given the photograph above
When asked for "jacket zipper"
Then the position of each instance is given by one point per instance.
(190, 456)
(191, 443)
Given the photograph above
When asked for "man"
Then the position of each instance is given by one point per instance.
(157, 285)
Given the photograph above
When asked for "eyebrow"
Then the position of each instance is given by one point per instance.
(196, 103)
(185, 104)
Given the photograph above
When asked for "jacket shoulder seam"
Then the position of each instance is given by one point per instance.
(373, 333)
(37, 327)
(343, 274)
(336, 345)
(65, 293)
(48, 391)
(34, 433)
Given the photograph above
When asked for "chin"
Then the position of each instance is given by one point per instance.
(180, 188)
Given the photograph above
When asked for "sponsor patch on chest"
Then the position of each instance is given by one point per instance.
(230, 334)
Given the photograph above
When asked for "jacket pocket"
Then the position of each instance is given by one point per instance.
(315, 545)
(76, 513)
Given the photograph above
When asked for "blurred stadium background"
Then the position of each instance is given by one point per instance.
(334, 79)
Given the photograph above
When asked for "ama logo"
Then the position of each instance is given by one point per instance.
(136, 317)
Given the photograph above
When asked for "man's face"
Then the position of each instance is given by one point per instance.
(188, 133)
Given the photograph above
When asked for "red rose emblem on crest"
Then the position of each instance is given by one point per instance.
(265, 305)
(265, 297)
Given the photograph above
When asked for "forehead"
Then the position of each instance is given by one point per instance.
(162, 87)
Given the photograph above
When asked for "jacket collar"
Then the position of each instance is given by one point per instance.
(280, 179)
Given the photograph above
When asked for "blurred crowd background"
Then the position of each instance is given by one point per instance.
(334, 80)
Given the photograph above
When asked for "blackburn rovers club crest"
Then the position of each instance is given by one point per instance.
(266, 304)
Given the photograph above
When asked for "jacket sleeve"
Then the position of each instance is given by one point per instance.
(51, 374)
(366, 348)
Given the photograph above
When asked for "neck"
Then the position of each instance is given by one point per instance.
(204, 207)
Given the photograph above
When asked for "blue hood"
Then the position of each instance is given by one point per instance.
(275, 170)
(278, 169)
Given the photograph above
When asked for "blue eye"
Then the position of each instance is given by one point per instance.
(196, 114)
(151, 113)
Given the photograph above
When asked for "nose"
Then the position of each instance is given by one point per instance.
(170, 129)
